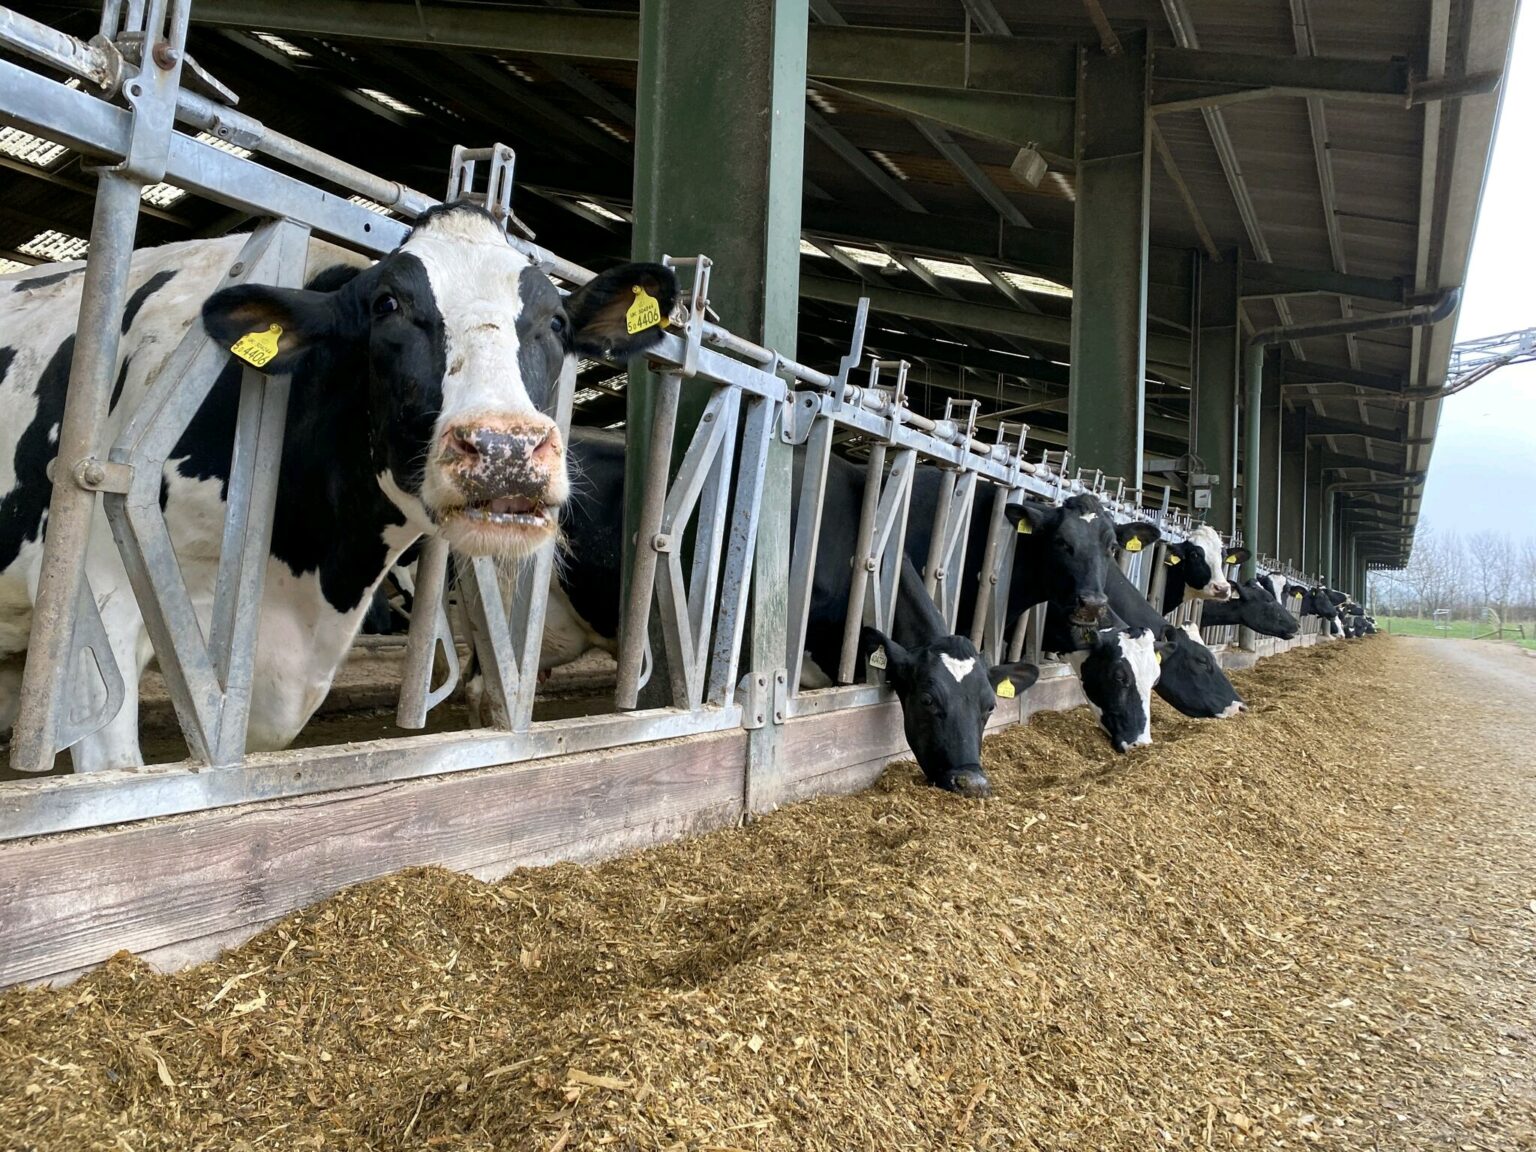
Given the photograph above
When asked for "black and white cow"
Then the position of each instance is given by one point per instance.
(1198, 568)
(418, 384)
(1253, 605)
(1118, 670)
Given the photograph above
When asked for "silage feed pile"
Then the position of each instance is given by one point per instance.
(1199, 945)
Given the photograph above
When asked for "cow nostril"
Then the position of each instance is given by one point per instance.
(461, 443)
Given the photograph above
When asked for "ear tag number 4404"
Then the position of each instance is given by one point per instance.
(877, 659)
(1133, 544)
(1006, 690)
(258, 349)
(644, 313)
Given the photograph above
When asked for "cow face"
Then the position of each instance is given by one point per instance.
(1118, 671)
(1202, 563)
(461, 342)
(1259, 610)
(947, 692)
(1073, 545)
(1192, 680)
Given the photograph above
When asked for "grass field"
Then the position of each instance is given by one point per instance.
(1454, 629)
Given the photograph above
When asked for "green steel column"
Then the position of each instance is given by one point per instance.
(719, 160)
(1213, 404)
(1105, 405)
(1253, 409)
(1270, 434)
(1312, 526)
(1293, 487)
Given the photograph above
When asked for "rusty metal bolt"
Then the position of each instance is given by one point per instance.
(166, 57)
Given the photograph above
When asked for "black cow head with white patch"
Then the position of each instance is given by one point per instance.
(1072, 546)
(1192, 680)
(1202, 562)
(1258, 609)
(461, 342)
(946, 692)
(1118, 669)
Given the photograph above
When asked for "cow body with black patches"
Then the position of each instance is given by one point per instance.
(418, 385)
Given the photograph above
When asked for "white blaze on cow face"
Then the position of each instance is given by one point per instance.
(1141, 654)
(959, 669)
(495, 473)
(1209, 542)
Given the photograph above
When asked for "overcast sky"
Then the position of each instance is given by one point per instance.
(1483, 471)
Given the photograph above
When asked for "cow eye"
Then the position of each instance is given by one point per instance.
(926, 700)
(557, 324)
(385, 304)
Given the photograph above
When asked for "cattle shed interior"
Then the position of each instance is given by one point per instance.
(1079, 212)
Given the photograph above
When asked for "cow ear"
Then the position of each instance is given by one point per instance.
(1170, 633)
(269, 328)
(1238, 556)
(621, 312)
(1176, 552)
(1136, 536)
(1030, 516)
(1008, 680)
(880, 651)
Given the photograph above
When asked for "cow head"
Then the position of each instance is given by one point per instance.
(1192, 680)
(946, 692)
(1259, 610)
(1202, 563)
(1073, 546)
(1118, 670)
(461, 342)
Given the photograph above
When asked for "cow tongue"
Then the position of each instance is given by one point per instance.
(512, 505)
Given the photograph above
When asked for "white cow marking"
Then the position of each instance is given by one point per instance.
(1090, 517)
(1141, 653)
(1206, 539)
(959, 669)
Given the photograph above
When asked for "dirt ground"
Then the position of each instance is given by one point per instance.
(1311, 926)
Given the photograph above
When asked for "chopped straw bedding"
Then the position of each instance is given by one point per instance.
(1294, 929)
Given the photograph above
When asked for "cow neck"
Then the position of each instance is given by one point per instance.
(332, 518)
(918, 621)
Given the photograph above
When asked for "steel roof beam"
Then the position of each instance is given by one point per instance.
(1307, 372)
(1283, 280)
(1321, 426)
(1165, 351)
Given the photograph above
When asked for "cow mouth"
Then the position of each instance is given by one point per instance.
(1086, 619)
(508, 512)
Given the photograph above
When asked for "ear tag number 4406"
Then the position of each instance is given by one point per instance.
(1006, 690)
(877, 658)
(644, 313)
(258, 349)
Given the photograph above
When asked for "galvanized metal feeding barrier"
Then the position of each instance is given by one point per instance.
(137, 86)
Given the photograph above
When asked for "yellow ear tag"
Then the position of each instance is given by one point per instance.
(258, 348)
(1133, 544)
(877, 658)
(1159, 656)
(1231, 559)
(1005, 690)
(644, 313)
(1024, 528)
(1172, 559)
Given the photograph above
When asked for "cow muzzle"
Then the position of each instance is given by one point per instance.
(971, 782)
(500, 483)
(1090, 608)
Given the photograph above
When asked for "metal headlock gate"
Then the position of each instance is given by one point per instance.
(138, 86)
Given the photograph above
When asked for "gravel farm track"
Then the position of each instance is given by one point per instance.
(1310, 927)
